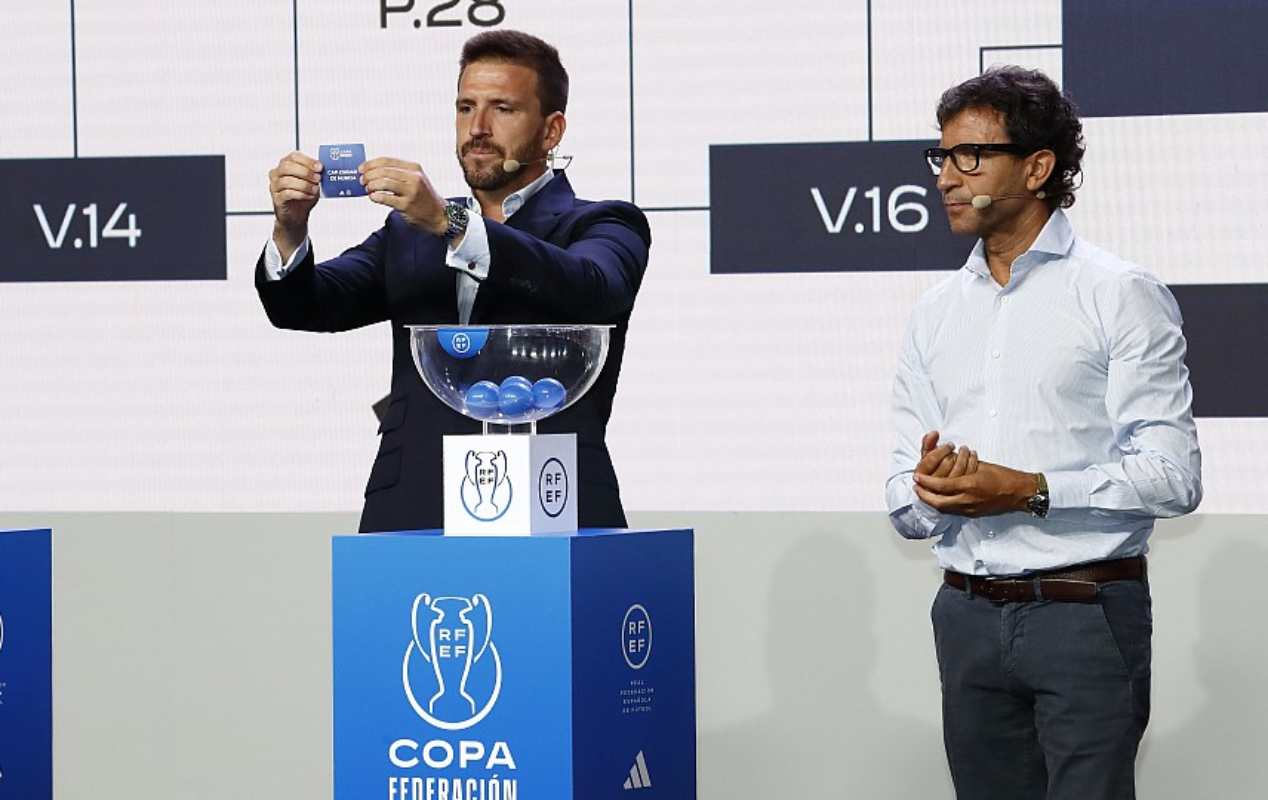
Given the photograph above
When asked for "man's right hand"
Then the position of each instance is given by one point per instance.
(295, 186)
(944, 461)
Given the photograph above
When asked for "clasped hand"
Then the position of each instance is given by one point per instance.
(954, 481)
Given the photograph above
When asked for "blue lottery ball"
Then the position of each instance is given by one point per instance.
(548, 393)
(518, 380)
(482, 399)
(515, 398)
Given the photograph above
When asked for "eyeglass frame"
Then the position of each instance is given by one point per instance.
(977, 150)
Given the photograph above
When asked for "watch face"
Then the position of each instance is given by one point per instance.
(457, 215)
(1038, 505)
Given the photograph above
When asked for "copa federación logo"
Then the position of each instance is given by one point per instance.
(486, 488)
(452, 673)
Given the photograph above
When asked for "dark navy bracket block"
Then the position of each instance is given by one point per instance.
(1124, 58)
(827, 207)
(158, 218)
(1226, 328)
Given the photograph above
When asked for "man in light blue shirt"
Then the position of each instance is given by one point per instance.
(1059, 370)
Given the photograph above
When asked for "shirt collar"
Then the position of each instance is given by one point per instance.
(1055, 239)
(516, 200)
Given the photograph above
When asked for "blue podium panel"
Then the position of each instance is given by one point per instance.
(492, 668)
(26, 665)
(634, 713)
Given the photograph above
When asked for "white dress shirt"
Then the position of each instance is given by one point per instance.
(1074, 369)
(470, 259)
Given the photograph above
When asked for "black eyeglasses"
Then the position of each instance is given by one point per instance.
(968, 157)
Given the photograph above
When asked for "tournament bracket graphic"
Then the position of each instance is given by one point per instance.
(873, 206)
(505, 668)
(113, 219)
(136, 216)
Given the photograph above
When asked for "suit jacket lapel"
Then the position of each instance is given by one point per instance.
(540, 215)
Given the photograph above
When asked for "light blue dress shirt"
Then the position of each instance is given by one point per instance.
(1074, 369)
(470, 259)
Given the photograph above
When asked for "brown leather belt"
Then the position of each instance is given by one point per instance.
(1072, 584)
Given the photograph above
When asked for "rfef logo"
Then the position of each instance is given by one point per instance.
(552, 487)
(636, 637)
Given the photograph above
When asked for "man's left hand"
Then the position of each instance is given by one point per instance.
(991, 490)
(404, 186)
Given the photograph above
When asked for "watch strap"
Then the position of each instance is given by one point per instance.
(1038, 502)
(458, 217)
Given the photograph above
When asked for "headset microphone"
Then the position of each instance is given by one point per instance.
(511, 165)
(983, 201)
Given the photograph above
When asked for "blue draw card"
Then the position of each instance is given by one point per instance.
(339, 176)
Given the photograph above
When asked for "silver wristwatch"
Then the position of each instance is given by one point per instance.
(1037, 503)
(458, 217)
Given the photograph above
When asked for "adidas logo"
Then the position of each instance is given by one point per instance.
(639, 779)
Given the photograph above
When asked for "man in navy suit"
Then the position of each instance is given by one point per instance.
(521, 249)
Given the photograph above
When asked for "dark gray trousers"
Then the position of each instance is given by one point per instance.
(1044, 700)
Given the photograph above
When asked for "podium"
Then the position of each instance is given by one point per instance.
(545, 667)
(26, 664)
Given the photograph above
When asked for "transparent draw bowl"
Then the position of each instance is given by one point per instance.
(509, 375)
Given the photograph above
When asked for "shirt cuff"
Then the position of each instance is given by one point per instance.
(471, 256)
(274, 269)
(926, 512)
(1069, 489)
(913, 517)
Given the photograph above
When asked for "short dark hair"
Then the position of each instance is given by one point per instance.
(526, 50)
(1037, 116)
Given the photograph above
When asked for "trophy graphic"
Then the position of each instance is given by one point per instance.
(453, 635)
(486, 489)
(509, 480)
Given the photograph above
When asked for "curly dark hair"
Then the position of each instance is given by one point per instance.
(527, 50)
(1037, 115)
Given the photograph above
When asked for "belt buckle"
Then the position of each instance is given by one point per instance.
(999, 590)
(1089, 588)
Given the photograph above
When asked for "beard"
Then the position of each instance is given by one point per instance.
(494, 176)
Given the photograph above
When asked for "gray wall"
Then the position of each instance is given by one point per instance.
(192, 656)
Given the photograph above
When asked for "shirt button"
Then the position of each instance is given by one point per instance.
(993, 412)
(990, 534)
(995, 354)
(1004, 300)
(471, 266)
(979, 563)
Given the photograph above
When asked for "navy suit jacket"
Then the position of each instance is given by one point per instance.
(557, 259)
